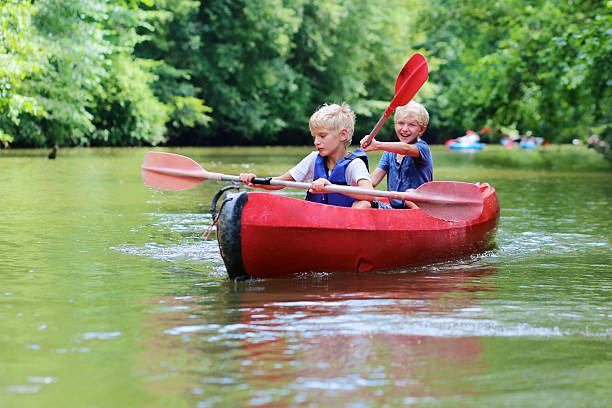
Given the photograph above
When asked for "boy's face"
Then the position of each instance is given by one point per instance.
(408, 130)
(328, 141)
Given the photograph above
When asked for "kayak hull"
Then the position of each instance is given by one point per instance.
(263, 235)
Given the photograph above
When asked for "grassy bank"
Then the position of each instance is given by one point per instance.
(551, 157)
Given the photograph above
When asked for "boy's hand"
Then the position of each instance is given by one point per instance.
(363, 140)
(319, 184)
(370, 147)
(246, 178)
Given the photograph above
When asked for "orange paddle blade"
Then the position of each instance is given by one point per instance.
(450, 200)
(169, 171)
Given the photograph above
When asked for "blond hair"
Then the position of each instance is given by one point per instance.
(334, 117)
(413, 111)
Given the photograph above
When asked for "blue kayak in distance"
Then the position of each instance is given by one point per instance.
(466, 146)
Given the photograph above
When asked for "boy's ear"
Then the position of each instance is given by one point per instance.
(343, 134)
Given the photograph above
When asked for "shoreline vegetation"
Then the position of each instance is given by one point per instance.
(553, 157)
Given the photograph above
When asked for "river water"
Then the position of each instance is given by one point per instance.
(111, 297)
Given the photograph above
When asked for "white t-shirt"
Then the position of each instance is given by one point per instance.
(304, 171)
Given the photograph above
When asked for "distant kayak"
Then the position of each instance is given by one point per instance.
(466, 146)
(528, 145)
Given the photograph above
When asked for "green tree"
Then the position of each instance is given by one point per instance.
(127, 72)
(77, 56)
(172, 43)
(72, 78)
(97, 93)
(243, 68)
(539, 65)
(22, 56)
(266, 65)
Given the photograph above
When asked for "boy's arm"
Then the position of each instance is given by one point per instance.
(364, 201)
(377, 176)
(393, 147)
(318, 186)
(303, 168)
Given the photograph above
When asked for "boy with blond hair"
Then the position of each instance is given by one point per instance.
(332, 128)
(407, 163)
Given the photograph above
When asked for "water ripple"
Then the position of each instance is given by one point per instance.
(372, 324)
(203, 251)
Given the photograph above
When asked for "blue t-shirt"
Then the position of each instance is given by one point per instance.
(410, 173)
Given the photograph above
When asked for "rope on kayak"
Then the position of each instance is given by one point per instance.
(213, 207)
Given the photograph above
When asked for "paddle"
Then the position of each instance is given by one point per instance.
(409, 81)
(447, 200)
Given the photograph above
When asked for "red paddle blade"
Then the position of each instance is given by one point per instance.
(409, 81)
(411, 66)
(451, 200)
(169, 171)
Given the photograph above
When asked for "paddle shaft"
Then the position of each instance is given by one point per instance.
(397, 195)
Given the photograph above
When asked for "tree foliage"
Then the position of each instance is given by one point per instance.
(20, 58)
(539, 65)
(172, 43)
(124, 72)
(130, 72)
(266, 65)
(73, 77)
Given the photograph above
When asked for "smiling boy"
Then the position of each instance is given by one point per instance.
(332, 129)
(407, 163)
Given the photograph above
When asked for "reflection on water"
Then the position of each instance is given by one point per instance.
(336, 336)
(360, 334)
(347, 337)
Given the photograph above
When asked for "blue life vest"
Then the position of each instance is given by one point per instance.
(337, 176)
(410, 173)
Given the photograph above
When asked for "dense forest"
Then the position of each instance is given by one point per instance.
(219, 72)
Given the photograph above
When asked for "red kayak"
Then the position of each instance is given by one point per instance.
(263, 235)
